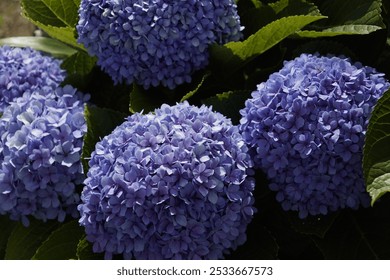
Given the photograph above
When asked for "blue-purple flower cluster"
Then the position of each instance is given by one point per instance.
(41, 136)
(155, 42)
(25, 69)
(306, 126)
(175, 184)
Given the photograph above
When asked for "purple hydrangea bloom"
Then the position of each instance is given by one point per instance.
(171, 185)
(41, 137)
(25, 69)
(305, 127)
(155, 42)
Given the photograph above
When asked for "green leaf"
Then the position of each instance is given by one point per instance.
(56, 18)
(192, 92)
(143, 101)
(352, 12)
(6, 226)
(52, 12)
(63, 34)
(79, 63)
(284, 8)
(47, 45)
(362, 234)
(249, 3)
(364, 18)
(84, 251)
(38, 11)
(352, 29)
(61, 244)
(380, 185)
(324, 47)
(376, 154)
(233, 55)
(65, 10)
(255, 18)
(229, 103)
(100, 122)
(292, 243)
(24, 241)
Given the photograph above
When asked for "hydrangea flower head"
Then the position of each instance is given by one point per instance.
(155, 42)
(306, 126)
(171, 185)
(25, 69)
(40, 148)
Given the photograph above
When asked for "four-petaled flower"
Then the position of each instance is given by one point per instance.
(175, 184)
(26, 70)
(40, 148)
(305, 127)
(155, 42)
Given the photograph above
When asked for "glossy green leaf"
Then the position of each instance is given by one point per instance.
(56, 18)
(376, 159)
(260, 15)
(61, 243)
(65, 10)
(38, 11)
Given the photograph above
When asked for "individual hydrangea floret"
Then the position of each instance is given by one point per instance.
(306, 126)
(26, 70)
(155, 42)
(40, 147)
(176, 184)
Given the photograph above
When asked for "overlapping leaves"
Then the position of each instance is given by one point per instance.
(270, 29)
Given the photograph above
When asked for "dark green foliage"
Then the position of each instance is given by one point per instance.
(275, 31)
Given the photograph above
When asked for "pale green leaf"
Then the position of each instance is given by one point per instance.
(376, 158)
(85, 251)
(352, 29)
(63, 34)
(47, 45)
(380, 175)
